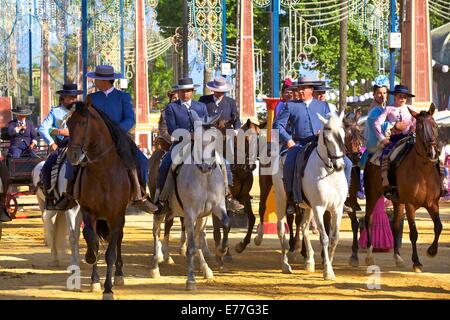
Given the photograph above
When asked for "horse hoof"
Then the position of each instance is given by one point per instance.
(169, 261)
(258, 240)
(310, 267)
(240, 247)
(431, 252)
(154, 273)
(228, 258)
(418, 268)
(90, 257)
(223, 269)
(286, 269)
(108, 296)
(182, 251)
(353, 262)
(220, 252)
(119, 281)
(96, 287)
(190, 286)
(208, 274)
(329, 276)
(206, 254)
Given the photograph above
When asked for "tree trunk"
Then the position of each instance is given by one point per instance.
(343, 57)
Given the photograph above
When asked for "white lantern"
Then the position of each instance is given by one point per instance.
(367, 95)
(373, 83)
(355, 99)
(350, 99)
(445, 68)
(347, 87)
(371, 95)
(363, 81)
(332, 96)
(433, 63)
(362, 98)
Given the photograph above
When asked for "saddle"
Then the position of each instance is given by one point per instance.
(398, 152)
(56, 169)
(299, 171)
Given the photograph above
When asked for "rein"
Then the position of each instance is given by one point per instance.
(329, 155)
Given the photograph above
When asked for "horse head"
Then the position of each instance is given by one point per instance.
(252, 131)
(427, 133)
(79, 131)
(354, 138)
(331, 148)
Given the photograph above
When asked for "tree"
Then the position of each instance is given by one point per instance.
(160, 79)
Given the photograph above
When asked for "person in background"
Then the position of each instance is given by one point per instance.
(22, 133)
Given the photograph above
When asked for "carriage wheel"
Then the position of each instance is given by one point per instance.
(11, 205)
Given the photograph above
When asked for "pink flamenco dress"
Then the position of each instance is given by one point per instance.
(382, 238)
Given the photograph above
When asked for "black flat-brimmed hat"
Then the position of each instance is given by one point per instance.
(104, 73)
(401, 89)
(22, 110)
(186, 83)
(70, 89)
(306, 81)
(321, 86)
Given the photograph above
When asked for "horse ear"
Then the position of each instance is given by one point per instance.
(248, 123)
(432, 109)
(413, 113)
(322, 119)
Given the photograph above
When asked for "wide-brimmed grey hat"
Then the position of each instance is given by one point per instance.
(186, 83)
(69, 89)
(104, 73)
(219, 84)
(22, 110)
(306, 81)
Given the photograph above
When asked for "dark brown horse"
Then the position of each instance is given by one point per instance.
(104, 192)
(418, 185)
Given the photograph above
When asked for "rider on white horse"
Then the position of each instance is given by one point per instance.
(302, 117)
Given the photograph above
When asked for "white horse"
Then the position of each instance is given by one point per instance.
(57, 224)
(325, 186)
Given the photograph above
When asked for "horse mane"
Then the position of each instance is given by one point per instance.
(126, 148)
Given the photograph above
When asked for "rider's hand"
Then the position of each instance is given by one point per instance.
(32, 145)
(400, 126)
(385, 141)
(290, 144)
(53, 146)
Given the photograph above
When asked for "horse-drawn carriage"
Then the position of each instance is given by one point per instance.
(19, 172)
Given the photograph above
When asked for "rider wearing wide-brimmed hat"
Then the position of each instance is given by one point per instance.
(55, 133)
(216, 103)
(298, 124)
(22, 133)
(117, 105)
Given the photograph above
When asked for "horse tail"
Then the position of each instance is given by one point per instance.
(103, 230)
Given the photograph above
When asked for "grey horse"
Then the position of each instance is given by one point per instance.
(197, 191)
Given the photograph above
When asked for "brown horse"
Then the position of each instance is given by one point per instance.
(104, 192)
(242, 185)
(420, 189)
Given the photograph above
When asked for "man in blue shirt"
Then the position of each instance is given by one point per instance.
(301, 117)
(55, 133)
(117, 106)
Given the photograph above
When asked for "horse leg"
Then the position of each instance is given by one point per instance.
(223, 220)
(335, 224)
(168, 223)
(413, 235)
(309, 261)
(327, 224)
(189, 222)
(217, 237)
(240, 247)
(354, 261)
(199, 230)
(399, 214)
(119, 279)
(299, 249)
(204, 244)
(49, 218)
(183, 248)
(290, 223)
(285, 267)
(434, 214)
(73, 218)
(157, 253)
(111, 258)
(328, 273)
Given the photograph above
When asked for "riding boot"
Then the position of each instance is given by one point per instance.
(162, 205)
(231, 203)
(4, 215)
(388, 190)
(290, 205)
(141, 200)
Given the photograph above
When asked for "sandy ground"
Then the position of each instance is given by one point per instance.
(254, 274)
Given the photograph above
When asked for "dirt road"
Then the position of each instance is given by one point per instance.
(254, 274)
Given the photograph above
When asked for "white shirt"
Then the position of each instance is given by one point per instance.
(308, 102)
(217, 100)
(107, 92)
(187, 103)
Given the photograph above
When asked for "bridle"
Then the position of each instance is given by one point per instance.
(427, 141)
(83, 142)
(330, 156)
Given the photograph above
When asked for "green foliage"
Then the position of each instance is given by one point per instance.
(170, 16)
(160, 81)
(436, 21)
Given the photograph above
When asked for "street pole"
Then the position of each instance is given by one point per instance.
(224, 31)
(392, 52)
(122, 41)
(84, 44)
(275, 48)
(65, 47)
(185, 39)
(343, 58)
(30, 45)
